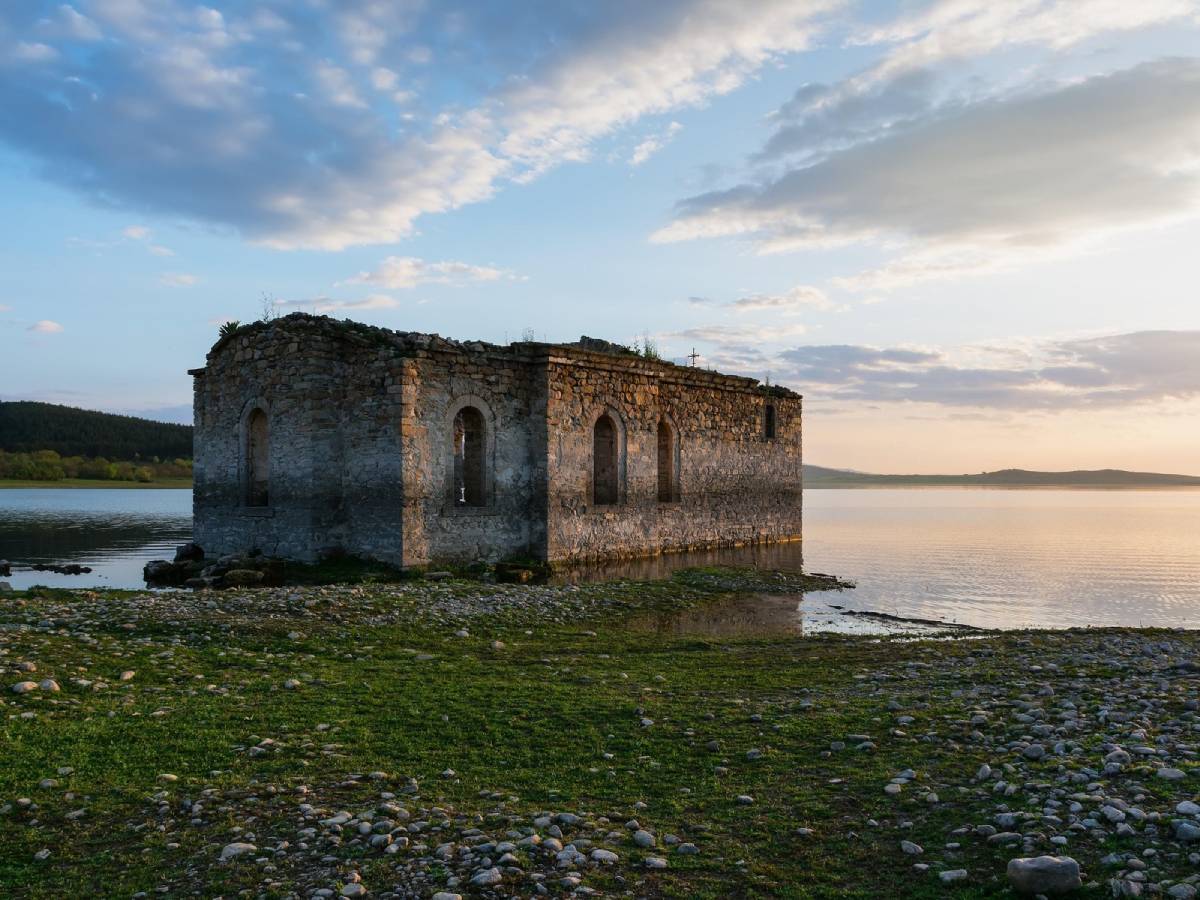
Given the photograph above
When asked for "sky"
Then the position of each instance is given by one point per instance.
(968, 231)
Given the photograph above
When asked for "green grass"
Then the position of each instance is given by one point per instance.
(533, 720)
(173, 483)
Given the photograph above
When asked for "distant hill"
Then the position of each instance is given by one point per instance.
(26, 427)
(820, 476)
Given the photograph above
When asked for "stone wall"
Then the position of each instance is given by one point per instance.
(361, 449)
(735, 486)
(333, 410)
(508, 390)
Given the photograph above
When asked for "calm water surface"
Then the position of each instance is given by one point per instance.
(990, 558)
(116, 531)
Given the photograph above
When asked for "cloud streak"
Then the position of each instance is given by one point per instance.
(404, 272)
(1092, 373)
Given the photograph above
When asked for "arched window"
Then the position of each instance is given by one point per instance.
(258, 459)
(769, 422)
(604, 462)
(469, 485)
(668, 469)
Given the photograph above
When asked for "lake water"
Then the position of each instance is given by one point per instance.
(989, 558)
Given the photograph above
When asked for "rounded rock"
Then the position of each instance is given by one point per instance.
(1044, 875)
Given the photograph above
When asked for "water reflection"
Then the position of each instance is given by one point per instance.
(741, 616)
(757, 615)
(989, 558)
(114, 531)
(773, 557)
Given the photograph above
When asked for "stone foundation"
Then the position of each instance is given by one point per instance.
(360, 449)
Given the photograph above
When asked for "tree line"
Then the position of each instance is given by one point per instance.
(31, 428)
(48, 465)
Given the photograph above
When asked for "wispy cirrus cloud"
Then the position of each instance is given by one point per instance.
(801, 298)
(323, 304)
(655, 142)
(178, 279)
(403, 272)
(45, 326)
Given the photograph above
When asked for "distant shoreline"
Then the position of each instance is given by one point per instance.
(99, 484)
(913, 486)
(819, 485)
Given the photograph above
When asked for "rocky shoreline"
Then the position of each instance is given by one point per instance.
(449, 737)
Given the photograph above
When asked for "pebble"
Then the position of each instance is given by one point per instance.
(655, 862)
(950, 876)
(236, 849)
(487, 877)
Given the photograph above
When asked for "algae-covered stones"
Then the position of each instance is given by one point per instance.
(243, 578)
(49, 685)
(24, 687)
(1171, 774)
(1044, 875)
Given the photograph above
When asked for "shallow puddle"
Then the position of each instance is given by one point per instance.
(754, 615)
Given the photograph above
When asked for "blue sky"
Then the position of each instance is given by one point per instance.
(965, 230)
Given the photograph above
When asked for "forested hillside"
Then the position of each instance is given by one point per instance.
(27, 427)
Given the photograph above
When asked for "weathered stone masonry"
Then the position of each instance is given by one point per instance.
(314, 436)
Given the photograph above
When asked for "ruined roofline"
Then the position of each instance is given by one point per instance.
(589, 351)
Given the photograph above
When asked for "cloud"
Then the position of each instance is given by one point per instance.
(136, 232)
(329, 304)
(45, 326)
(907, 83)
(962, 29)
(33, 52)
(4, 307)
(982, 182)
(401, 272)
(1091, 373)
(159, 250)
(72, 24)
(654, 143)
(232, 118)
(799, 298)
(178, 279)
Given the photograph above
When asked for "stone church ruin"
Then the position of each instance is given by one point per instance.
(316, 437)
